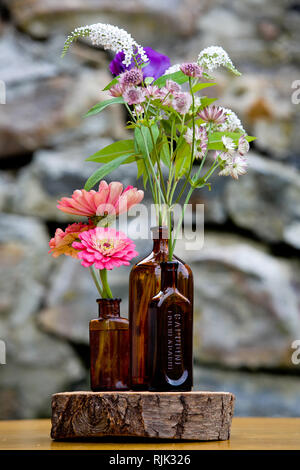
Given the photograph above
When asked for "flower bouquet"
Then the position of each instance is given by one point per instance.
(180, 139)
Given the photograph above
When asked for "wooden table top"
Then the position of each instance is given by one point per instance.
(247, 433)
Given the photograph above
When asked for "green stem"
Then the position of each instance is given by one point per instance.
(96, 280)
(107, 293)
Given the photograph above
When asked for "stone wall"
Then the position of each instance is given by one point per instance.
(247, 287)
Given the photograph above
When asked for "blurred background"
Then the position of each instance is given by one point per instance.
(247, 283)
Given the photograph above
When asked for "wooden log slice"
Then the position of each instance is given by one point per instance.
(202, 416)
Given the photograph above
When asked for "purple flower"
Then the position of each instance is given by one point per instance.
(158, 64)
(191, 69)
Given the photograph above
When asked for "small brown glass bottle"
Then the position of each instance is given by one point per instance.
(144, 283)
(170, 345)
(109, 348)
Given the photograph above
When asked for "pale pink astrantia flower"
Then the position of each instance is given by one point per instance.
(172, 87)
(182, 102)
(212, 114)
(105, 248)
(243, 145)
(134, 95)
(191, 69)
(116, 90)
(109, 199)
(131, 77)
(152, 91)
(201, 140)
(236, 167)
(61, 243)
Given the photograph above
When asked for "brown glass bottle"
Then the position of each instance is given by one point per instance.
(170, 345)
(144, 283)
(109, 348)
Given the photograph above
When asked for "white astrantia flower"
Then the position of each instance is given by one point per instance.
(109, 37)
(228, 144)
(232, 122)
(172, 69)
(234, 168)
(213, 57)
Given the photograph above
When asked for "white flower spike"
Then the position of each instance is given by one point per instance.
(213, 57)
(109, 37)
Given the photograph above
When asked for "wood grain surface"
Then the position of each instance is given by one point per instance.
(246, 434)
(201, 416)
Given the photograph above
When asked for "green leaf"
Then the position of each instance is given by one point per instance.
(182, 160)
(177, 77)
(141, 171)
(112, 83)
(103, 171)
(148, 80)
(200, 86)
(165, 154)
(206, 101)
(143, 141)
(103, 104)
(215, 139)
(122, 147)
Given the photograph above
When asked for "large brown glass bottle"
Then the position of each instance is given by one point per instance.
(170, 345)
(144, 283)
(109, 348)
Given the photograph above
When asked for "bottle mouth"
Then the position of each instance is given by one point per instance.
(159, 231)
(108, 301)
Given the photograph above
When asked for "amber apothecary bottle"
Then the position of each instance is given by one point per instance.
(144, 283)
(109, 348)
(170, 345)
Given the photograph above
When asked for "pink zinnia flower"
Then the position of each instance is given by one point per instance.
(105, 248)
(182, 102)
(131, 77)
(134, 95)
(191, 69)
(213, 114)
(61, 243)
(109, 199)
(116, 90)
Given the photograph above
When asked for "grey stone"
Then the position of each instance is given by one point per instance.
(42, 113)
(265, 201)
(57, 173)
(259, 394)
(37, 366)
(246, 303)
(42, 18)
(71, 299)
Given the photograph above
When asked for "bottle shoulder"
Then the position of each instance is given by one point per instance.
(168, 296)
(110, 323)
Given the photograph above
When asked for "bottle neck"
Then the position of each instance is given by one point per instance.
(160, 239)
(169, 275)
(109, 307)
